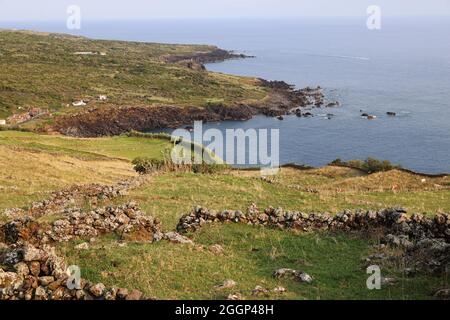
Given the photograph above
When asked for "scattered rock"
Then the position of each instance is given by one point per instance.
(388, 281)
(442, 294)
(304, 277)
(82, 246)
(175, 237)
(234, 297)
(260, 291)
(279, 290)
(284, 272)
(295, 274)
(216, 249)
(227, 284)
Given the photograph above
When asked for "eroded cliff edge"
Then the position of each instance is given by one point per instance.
(114, 120)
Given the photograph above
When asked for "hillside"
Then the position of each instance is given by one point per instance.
(192, 267)
(44, 70)
(83, 87)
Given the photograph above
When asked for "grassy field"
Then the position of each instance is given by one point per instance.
(251, 255)
(41, 70)
(33, 165)
(328, 189)
(118, 147)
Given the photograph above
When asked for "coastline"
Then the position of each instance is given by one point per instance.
(114, 120)
(282, 99)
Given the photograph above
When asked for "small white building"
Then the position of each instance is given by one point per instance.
(102, 97)
(2, 122)
(80, 103)
(84, 53)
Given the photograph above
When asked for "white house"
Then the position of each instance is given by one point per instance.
(84, 53)
(80, 103)
(2, 122)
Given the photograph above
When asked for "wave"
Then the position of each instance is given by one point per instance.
(337, 56)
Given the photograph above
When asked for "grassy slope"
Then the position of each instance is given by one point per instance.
(40, 69)
(168, 271)
(30, 169)
(119, 147)
(32, 165)
(337, 189)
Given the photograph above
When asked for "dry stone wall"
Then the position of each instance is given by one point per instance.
(426, 240)
(38, 273)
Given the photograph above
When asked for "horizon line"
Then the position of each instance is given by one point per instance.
(140, 19)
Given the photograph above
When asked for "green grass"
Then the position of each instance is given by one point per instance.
(35, 165)
(251, 254)
(40, 70)
(32, 165)
(168, 196)
(120, 147)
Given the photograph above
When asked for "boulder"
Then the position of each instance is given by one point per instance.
(97, 290)
(134, 295)
(227, 284)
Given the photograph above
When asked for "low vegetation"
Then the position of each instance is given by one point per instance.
(250, 256)
(370, 165)
(128, 73)
(36, 165)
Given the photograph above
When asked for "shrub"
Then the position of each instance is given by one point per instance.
(144, 165)
(205, 168)
(148, 165)
(337, 162)
(371, 165)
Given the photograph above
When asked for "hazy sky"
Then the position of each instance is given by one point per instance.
(27, 10)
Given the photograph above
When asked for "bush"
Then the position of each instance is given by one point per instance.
(371, 165)
(337, 162)
(144, 165)
(208, 168)
(148, 165)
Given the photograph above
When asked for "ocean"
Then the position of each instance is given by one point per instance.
(402, 68)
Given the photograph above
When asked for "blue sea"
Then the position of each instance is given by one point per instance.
(403, 68)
